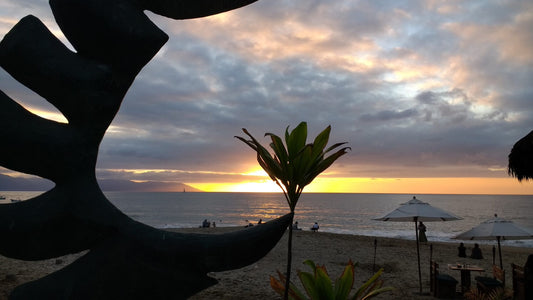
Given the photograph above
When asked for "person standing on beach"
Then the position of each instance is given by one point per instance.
(462, 250)
(422, 233)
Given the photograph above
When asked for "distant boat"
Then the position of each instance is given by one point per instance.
(2, 197)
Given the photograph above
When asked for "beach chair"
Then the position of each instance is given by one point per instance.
(519, 283)
(487, 284)
(441, 285)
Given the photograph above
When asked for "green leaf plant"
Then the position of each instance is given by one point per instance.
(294, 165)
(319, 286)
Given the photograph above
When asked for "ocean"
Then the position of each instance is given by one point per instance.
(336, 213)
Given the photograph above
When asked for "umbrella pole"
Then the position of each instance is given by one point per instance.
(375, 247)
(430, 253)
(500, 252)
(418, 255)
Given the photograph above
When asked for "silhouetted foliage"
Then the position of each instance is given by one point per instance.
(294, 165)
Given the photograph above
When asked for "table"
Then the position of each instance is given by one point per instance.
(465, 274)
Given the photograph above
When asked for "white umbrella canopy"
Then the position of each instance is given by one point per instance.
(421, 211)
(415, 210)
(497, 229)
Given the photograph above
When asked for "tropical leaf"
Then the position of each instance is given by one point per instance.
(279, 287)
(376, 292)
(320, 142)
(323, 284)
(318, 284)
(335, 146)
(324, 164)
(308, 282)
(296, 140)
(279, 149)
(369, 286)
(344, 284)
(311, 264)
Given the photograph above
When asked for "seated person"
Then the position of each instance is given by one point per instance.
(295, 226)
(476, 252)
(315, 227)
(462, 250)
(250, 224)
(205, 224)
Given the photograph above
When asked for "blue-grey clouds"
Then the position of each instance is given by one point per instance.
(417, 88)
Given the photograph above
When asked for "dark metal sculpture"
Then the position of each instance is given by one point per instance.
(127, 259)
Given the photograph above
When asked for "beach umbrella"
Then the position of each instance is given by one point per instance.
(417, 211)
(521, 159)
(497, 229)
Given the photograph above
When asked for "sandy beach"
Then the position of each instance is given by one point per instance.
(397, 257)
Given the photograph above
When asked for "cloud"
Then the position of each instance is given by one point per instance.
(8, 183)
(417, 88)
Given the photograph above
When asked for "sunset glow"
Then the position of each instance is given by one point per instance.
(265, 186)
(54, 116)
(503, 186)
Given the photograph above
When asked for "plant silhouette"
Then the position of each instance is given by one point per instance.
(127, 259)
(294, 165)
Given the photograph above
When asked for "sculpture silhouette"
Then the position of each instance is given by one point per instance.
(127, 259)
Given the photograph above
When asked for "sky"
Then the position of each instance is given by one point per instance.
(429, 95)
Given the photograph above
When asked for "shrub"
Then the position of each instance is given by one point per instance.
(319, 286)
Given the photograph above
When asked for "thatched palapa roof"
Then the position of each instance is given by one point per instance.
(521, 159)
